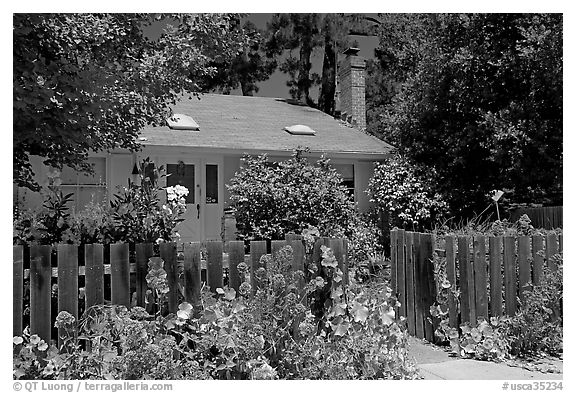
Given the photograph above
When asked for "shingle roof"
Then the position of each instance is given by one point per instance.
(256, 123)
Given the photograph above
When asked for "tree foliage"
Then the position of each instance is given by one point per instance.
(476, 97)
(246, 69)
(90, 82)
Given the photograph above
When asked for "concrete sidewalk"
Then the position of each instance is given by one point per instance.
(435, 363)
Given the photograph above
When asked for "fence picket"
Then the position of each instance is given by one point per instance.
(495, 250)
(67, 283)
(214, 270)
(410, 284)
(480, 275)
(427, 283)
(94, 261)
(510, 275)
(169, 256)
(298, 253)
(463, 268)
(235, 256)
(192, 274)
(524, 268)
(17, 288)
(400, 271)
(451, 275)
(394, 261)
(143, 252)
(277, 245)
(120, 274)
(537, 258)
(257, 250)
(418, 307)
(551, 250)
(40, 288)
(337, 247)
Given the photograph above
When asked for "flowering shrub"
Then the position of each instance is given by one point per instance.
(138, 213)
(135, 215)
(404, 190)
(272, 199)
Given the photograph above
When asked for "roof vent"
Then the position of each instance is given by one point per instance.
(299, 129)
(179, 121)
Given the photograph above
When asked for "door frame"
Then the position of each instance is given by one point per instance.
(200, 161)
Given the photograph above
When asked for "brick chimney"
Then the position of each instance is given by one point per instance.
(351, 90)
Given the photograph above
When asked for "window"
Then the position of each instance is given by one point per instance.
(183, 175)
(86, 187)
(347, 173)
(179, 121)
(211, 183)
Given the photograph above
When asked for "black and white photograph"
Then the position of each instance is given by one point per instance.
(284, 196)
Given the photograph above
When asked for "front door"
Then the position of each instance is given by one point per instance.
(187, 173)
(203, 179)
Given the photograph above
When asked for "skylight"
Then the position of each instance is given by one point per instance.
(179, 121)
(300, 129)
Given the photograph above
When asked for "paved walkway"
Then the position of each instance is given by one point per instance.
(435, 363)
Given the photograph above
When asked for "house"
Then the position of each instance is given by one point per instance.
(202, 146)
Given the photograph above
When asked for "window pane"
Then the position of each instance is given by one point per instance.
(182, 175)
(68, 176)
(211, 183)
(99, 176)
(89, 194)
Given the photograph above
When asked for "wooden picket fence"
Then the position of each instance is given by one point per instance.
(549, 217)
(490, 273)
(127, 281)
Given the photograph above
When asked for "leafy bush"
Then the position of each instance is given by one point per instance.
(536, 327)
(404, 190)
(272, 199)
(136, 214)
(269, 335)
(48, 226)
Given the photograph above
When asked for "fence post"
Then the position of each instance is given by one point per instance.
(410, 283)
(67, 283)
(143, 252)
(495, 249)
(214, 264)
(40, 291)
(480, 273)
(94, 274)
(510, 275)
(235, 256)
(192, 274)
(537, 258)
(17, 288)
(451, 275)
(120, 274)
